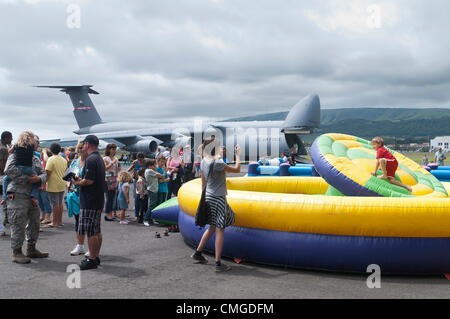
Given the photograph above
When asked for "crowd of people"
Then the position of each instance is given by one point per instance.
(36, 185)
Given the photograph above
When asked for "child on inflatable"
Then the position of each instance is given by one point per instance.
(387, 162)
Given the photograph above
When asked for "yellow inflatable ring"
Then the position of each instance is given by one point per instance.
(289, 221)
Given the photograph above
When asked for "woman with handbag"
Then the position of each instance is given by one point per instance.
(213, 208)
(112, 169)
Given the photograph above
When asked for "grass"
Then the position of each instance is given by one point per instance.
(418, 157)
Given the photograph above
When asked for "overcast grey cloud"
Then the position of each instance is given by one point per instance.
(169, 60)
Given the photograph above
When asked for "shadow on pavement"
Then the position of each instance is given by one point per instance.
(257, 270)
(122, 272)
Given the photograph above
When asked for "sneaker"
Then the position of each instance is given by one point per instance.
(200, 258)
(146, 223)
(96, 259)
(124, 222)
(110, 220)
(222, 267)
(87, 264)
(78, 250)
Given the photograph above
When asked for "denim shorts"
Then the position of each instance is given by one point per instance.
(44, 202)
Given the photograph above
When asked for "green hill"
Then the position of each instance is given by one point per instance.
(330, 116)
(405, 129)
(382, 114)
(401, 125)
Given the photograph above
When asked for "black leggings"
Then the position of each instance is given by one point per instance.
(110, 201)
(173, 187)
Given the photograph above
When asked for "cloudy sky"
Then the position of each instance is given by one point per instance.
(158, 61)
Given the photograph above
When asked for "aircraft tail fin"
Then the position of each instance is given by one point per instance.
(83, 108)
(303, 117)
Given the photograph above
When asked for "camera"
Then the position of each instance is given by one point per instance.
(70, 173)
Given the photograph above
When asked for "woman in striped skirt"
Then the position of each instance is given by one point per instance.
(221, 215)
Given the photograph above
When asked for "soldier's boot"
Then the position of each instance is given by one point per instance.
(32, 252)
(19, 257)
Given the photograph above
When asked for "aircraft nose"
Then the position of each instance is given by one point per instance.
(311, 101)
(314, 99)
(304, 114)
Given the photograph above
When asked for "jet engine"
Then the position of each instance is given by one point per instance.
(146, 146)
(179, 142)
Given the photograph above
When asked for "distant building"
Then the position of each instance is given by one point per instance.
(440, 141)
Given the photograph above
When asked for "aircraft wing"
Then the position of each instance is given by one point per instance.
(121, 138)
(73, 141)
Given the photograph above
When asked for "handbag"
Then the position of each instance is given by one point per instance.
(111, 182)
(201, 217)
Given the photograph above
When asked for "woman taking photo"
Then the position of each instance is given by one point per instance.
(220, 213)
(112, 169)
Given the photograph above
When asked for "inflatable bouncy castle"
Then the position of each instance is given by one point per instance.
(343, 221)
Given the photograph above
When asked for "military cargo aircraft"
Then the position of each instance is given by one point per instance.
(256, 138)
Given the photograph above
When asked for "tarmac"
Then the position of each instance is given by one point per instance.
(136, 264)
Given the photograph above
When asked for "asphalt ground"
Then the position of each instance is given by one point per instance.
(135, 264)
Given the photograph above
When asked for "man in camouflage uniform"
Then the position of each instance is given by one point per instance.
(22, 215)
(5, 144)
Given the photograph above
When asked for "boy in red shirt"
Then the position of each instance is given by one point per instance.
(387, 162)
